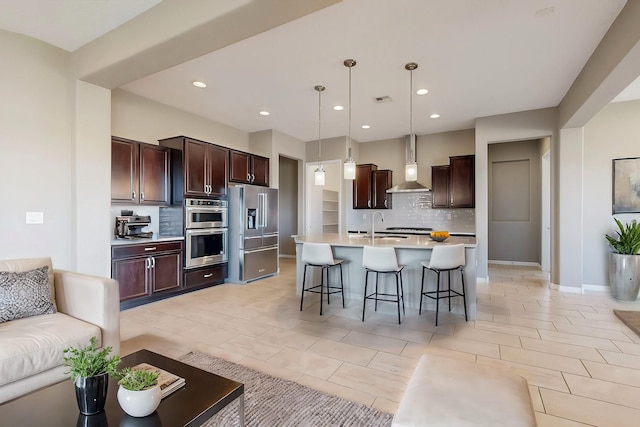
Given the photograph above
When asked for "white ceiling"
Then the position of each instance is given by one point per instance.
(477, 58)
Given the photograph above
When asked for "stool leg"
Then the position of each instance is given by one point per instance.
(328, 285)
(398, 296)
(449, 277)
(304, 278)
(421, 290)
(402, 294)
(341, 285)
(464, 293)
(376, 298)
(438, 296)
(321, 287)
(364, 304)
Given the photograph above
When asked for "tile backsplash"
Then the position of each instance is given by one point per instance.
(414, 210)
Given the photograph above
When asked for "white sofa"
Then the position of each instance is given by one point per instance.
(31, 349)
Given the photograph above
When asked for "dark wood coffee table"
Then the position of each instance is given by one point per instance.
(204, 395)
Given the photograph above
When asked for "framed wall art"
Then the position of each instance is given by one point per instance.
(626, 185)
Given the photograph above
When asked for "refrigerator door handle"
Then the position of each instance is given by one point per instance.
(262, 215)
(270, 248)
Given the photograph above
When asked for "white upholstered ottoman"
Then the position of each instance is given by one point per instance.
(448, 392)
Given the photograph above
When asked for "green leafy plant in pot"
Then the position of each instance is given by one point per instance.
(89, 368)
(624, 261)
(139, 393)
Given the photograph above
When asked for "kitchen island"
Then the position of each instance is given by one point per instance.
(410, 250)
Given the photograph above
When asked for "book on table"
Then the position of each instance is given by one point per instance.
(167, 381)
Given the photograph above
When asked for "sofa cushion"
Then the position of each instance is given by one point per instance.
(27, 264)
(25, 294)
(35, 344)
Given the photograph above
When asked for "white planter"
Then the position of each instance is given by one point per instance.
(139, 403)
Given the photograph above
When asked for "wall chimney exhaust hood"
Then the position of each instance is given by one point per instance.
(409, 186)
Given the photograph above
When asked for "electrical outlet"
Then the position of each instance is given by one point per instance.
(34, 218)
(364, 216)
(448, 216)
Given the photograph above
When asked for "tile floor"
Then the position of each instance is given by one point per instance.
(582, 364)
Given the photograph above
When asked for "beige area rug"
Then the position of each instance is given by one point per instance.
(629, 318)
(275, 402)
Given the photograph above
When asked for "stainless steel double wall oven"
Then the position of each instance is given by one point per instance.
(206, 232)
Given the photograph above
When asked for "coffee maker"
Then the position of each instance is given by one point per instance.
(131, 226)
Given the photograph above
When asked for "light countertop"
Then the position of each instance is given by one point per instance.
(410, 242)
(121, 242)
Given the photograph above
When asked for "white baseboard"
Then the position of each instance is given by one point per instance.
(516, 263)
(579, 290)
(596, 288)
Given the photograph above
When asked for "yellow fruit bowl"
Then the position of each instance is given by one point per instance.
(439, 236)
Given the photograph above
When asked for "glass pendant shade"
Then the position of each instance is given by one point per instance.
(411, 172)
(350, 169)
(319, 176)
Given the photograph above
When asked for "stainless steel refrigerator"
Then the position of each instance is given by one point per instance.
(253, 233)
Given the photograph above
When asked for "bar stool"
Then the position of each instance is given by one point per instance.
(382, 260)
(444, 258)
(320, 255)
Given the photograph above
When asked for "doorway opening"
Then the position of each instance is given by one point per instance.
(519, 211)
(323, 205)
(288, 205)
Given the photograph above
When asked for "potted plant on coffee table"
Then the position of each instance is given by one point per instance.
(89, 368)
(139, 393)
(624, 261)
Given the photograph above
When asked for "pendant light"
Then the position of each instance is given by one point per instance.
(411, 167)
(349, 164)
(319, 172)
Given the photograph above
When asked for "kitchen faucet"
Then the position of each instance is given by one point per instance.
(373, 217)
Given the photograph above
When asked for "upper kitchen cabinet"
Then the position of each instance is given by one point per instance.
(198, 168)
(381, 180)
(362, 186)
(248, 168)
(462, 181)
(440, 186)
(370, 187)
(139, 172)
(453, 186)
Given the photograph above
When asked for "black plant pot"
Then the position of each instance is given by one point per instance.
(91, 393)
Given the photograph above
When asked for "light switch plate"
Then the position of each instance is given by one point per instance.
(35, 218)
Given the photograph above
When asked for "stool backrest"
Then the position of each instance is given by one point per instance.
(444, 257)
(379, 258)
(317, 253)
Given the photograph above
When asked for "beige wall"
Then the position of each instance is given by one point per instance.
(612, 133)
(141, 119)
(36, 146)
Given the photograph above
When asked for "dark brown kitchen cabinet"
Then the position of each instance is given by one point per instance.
(139, 172)
(147, 270)
(248, 168)
(462, 181)
(453, 185)
(440, 186)
(381, 180)
(370, 187)
(198, 168)
(362, 186)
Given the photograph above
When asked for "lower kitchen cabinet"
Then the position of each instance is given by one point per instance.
(146, 271)
(205, 276)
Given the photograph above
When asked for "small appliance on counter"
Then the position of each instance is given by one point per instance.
(130, 226)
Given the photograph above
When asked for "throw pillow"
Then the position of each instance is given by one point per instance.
(25, 294)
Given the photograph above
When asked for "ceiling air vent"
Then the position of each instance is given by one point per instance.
(381, 99)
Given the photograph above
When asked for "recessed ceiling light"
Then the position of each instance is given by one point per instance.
(199, 84)
(338, 108)
(365, 126)
(264, 113)
(434, 115)
(422, 91)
